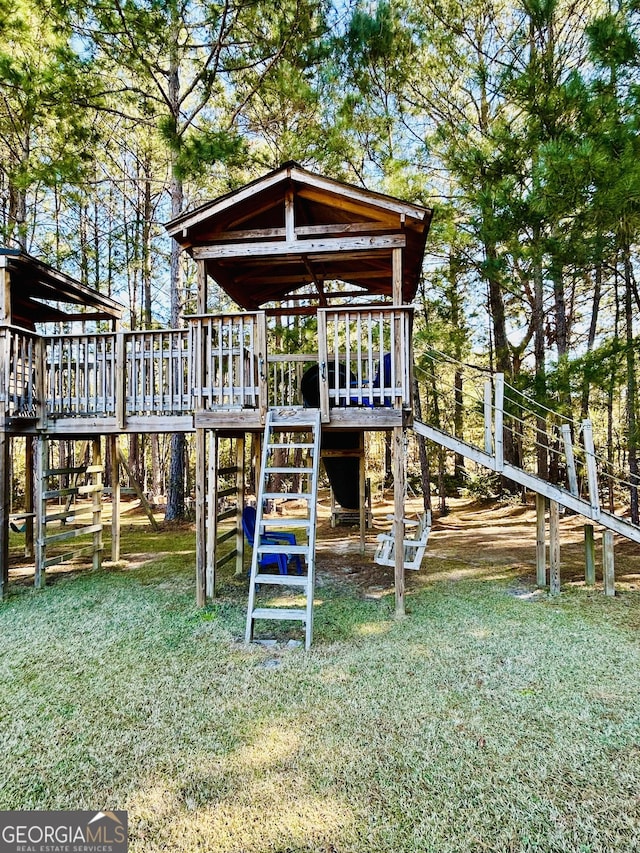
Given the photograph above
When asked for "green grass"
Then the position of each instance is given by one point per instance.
(484, 721)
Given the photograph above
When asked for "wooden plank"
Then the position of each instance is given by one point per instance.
(115, 497)
(201, 518)
(554, 548)
(569, 459)
(295, 248)
(41, 453)
(396, 276)
(608, 563)
(498, 422)
(240, 481)
(120, 379)
(592, 473)
(323, 364)
(212, 515)
(399, 482)
(96, 462)
(5, 504)
(202, 288)
(541, 544)
(289, 217)
(589, 556)
(74, 533)
(5, 293)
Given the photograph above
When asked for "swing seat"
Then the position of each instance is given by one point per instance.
(414, 548)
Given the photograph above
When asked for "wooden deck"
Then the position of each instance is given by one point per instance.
(220, 372)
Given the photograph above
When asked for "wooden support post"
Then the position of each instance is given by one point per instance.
(608, 563)
(40, 390)
(554, 547)
(5, 293)
(568, 454)
(589, 555)
(201, 517)
(120, 386)
(5, 501)
(212, 513)
(592, 474)
(323, 364)
(398, 462)
(363, 497)
(202, 287)
(263, 383)
(115, 497)
(240, 476)
(488, 419)
(541, 542)
(499, 422)
(41, 464)
(396, 274)
(28, 497)
(97, 502)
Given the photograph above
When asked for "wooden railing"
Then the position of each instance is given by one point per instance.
(158, 372)
(229, 358)
(20, 373)
(220, 363)
(365, 356)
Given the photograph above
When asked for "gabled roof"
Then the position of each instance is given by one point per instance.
(291, 233)
(34, 285)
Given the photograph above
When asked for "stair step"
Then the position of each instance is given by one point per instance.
(288, 496)
(283, 580)
(279, 613)
(285, 523)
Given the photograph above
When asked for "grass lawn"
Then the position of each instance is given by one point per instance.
(491, 719)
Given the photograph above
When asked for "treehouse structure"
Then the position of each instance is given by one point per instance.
(304, 345)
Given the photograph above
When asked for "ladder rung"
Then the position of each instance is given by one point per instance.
(303, 469)
(283, 549)
(283, 580)
(286, 522)
(289, 550)
(279, 613)
(285, 445)
(287, 496)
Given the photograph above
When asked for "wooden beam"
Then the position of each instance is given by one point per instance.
(138, 489)
(608, 563)
(289, 216)
(296, 248)
(240, 477)
(5, 502)
(396, 276)
(568, 453)
(554, 548)
(5, 292)
(114, 445)
(96, 478)
(212, 513)
(589, 556)
(541, 542)
(399, 477)
(201, 517)
(202, 287)
(41, 455)
(28, 497)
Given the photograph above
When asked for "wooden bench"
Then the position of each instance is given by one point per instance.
(414, 548)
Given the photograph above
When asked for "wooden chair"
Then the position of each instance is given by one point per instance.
(414, 548)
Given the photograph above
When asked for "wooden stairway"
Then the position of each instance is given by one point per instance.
(287, 431)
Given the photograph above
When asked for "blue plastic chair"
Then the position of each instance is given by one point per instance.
(383, 381)
(277, 537)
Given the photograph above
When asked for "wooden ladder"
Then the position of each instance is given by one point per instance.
(302, 428)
